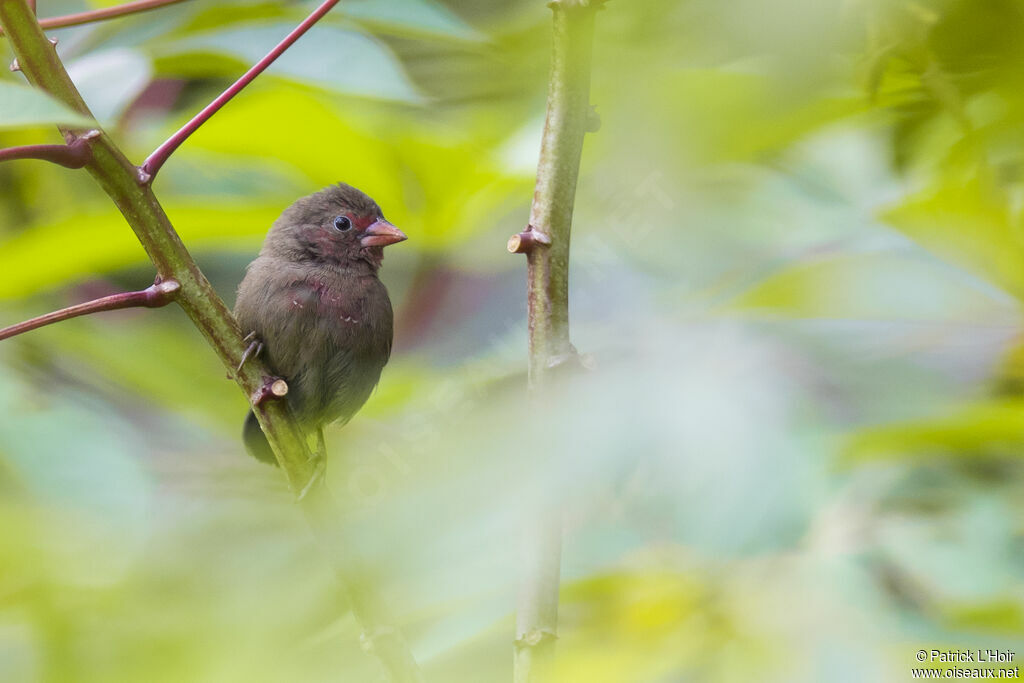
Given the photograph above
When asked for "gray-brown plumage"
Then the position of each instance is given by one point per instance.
(313, 299)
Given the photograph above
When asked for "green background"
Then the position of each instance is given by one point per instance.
(798, 255)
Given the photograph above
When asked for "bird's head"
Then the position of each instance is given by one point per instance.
(337, 226)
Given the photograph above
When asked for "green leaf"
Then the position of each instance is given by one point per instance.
(968, 223)
(24, 107)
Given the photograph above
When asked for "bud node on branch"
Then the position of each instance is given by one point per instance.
(527, 240)
(271, 389)
(535, 637)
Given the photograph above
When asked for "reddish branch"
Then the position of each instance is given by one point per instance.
(101, 14)
(160, 294)
(155, 160)
(75, 155)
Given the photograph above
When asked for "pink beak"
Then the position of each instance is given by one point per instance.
(381, 234)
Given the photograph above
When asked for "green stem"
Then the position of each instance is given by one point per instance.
(557, 171)
(546, 244)
(119, 179)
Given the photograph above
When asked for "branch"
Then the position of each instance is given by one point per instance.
(155, 296)
(74, 155)
(155, 160)
(101, 14)
(546, 245)
(119, 179)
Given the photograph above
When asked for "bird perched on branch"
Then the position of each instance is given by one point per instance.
(312, 302)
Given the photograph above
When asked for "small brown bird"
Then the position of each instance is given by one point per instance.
(313, 302)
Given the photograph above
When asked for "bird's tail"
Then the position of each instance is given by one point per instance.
(256, 442)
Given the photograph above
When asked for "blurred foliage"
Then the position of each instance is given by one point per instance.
(797, 265)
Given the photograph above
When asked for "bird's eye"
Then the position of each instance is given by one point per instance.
(343, 223)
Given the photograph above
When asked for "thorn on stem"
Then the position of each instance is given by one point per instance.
(272, 388)
(161, 293)
(535, 637)
(527, 241)
(15, 66)
(573, 359)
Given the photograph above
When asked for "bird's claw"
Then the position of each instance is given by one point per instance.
(251, 351)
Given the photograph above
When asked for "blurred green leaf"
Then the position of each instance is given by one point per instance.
(88, 243)
(977, 429)
(344, 60)
(414, 17)
(970, 223)
(25, 107)
(110, 80)
(874, 286)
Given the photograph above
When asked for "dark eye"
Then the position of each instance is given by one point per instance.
(343, 223)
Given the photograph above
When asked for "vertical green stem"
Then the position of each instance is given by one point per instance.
(557, 172)
(568, 111)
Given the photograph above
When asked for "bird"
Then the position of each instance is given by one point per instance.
(313, 305)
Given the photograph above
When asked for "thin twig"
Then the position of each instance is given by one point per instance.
(546, 245)
(155, 160)
(74, 155)
(80, 18)
(155, 296)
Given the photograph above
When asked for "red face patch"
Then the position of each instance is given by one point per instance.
(362, 222)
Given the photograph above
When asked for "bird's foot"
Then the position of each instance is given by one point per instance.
(251, 351)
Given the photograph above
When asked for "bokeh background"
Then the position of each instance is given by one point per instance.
(798, 255)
